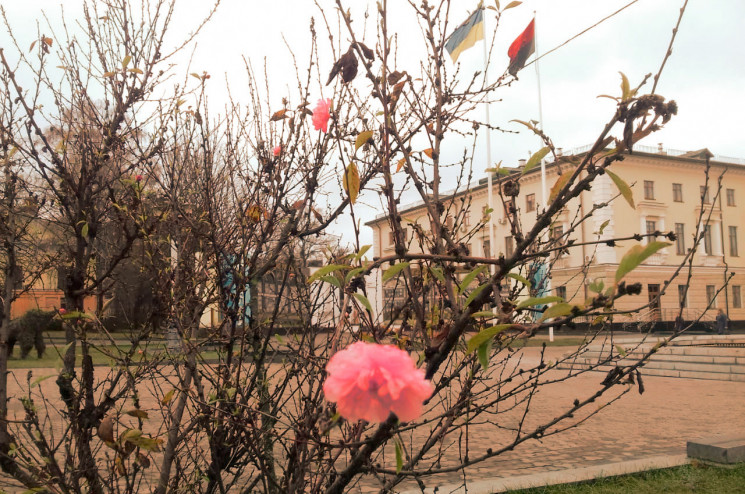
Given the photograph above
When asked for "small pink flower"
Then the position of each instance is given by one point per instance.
(62, 311)
(369, 381)
(277, 150)
(321, 115)
(138, 178)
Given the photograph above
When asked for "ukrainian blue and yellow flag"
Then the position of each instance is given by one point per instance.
(466, 35)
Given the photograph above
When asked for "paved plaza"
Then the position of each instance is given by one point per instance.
(657, 423)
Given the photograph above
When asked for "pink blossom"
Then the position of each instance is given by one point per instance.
(138, 178)
(321, 115)
(277, 150)
(62, 311)
(369, 381)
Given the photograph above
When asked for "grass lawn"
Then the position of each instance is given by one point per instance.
(697, 477)
(51, 358)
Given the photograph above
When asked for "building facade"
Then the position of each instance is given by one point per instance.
(671, 194)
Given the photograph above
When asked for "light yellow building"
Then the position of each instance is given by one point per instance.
(670, 195)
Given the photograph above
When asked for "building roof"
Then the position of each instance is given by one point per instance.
(697, 156)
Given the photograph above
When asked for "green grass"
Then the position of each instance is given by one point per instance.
(697, 477)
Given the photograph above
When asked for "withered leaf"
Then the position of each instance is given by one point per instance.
(278, 115)
(106, 429)
(347, 65)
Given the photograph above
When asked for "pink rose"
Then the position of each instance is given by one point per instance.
(321, 115)
(369, 381)
(277, 150)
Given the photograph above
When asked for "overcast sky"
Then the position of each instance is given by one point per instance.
(705, 73)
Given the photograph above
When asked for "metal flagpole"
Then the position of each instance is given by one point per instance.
(544, 194)
(490, 196)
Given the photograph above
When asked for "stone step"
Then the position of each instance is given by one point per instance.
(720, 449)
(650, 370)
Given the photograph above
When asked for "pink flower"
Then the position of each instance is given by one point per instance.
(138, 178)
(62, 311)
(321, 115)
(369, 381)
(277, 150)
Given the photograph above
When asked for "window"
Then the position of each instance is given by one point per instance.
(467, 218)
(733, 241)
(737, 296)
(530, 202)
(649, 190)
(449, 223)
(704, 194)
(680, 242)
(509, 246)
(561, 291)
(391, 238)
(730, 197)
(711, 294)
(678, 192)
(557, 232)
(486, 245)
(683, 296)
(707, 240)
(651, 228)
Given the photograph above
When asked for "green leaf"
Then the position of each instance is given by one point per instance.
(597, 286)
(362, 138)
(535, 159)
(331, 279)
(394, 270)
(483, 313)
(40, 379)
(625, 88)
(326, 270)
(484, 351)
(437, 273)
(533, 301)
(637, 255)
(351, 182)
(167, 397)
(84, 230)
(352, 274)
(519, 278)
(399, 455)
(141, 414)
(363, 300)
(126, 61)
(362, 252)
(621, 350)
(527, 124)
(470, 277)
(602, 227)
(557, 310)
(560, 184)
(475, 293)
(510, 5)
(485, 335)
(623, 187)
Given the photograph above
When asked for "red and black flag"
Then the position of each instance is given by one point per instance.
(522, 48)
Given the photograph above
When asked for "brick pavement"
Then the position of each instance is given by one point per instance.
(659, 422)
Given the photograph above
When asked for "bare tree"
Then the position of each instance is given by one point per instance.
(220, 204)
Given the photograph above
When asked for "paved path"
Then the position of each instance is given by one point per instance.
(670, 412)
(659, 422)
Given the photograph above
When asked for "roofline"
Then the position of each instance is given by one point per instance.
(475, 186)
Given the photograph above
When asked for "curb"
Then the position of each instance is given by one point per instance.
(495, 485)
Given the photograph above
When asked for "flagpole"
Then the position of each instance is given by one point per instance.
(490, 196)
(544, 194)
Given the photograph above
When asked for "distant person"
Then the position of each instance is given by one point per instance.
(722, 322)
